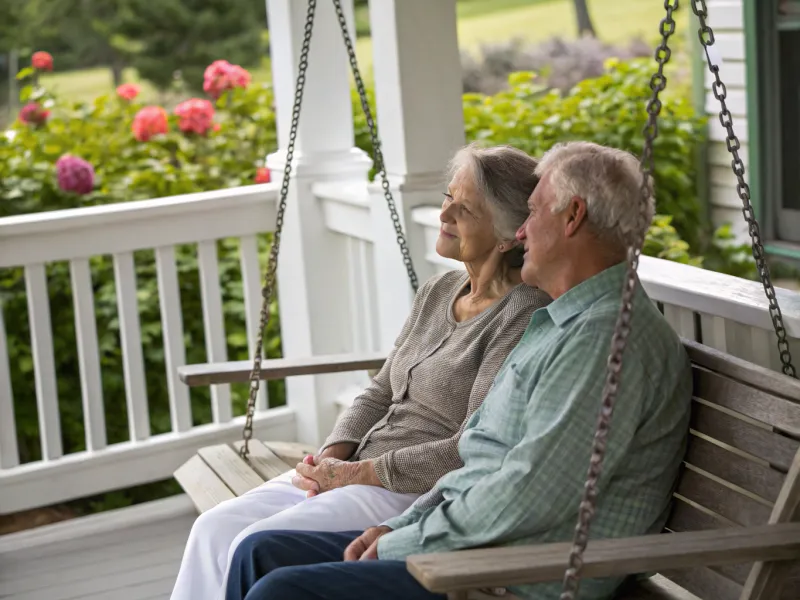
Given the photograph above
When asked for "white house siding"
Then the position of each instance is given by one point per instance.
(726, 18)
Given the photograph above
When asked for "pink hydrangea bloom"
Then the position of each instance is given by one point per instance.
(128, 91)
(42, 61)
(149, 121)
(195, 116)
(221, 76)
(75, 174)
(33, 114)
(262, 175)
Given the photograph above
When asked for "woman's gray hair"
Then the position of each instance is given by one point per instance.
(505, 177)
(609, 181)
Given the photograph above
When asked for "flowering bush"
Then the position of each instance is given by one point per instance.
(148, 122)
(128, 91)
(262, 175)
(74, 174)
(33, 114)
(42, 61)
(221, 76)
(195, 116)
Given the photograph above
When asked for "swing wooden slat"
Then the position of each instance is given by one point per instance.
(727, 513)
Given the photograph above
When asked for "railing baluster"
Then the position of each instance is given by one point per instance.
(131, 338)
(251, 289)
(682, 320)
(43, 361)
(367, 319)
(172, 326)
(714, 332)
(9, 451)
(88, 355)
(213, 321)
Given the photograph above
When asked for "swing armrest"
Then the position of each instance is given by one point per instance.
(278, 368)
(503, 567)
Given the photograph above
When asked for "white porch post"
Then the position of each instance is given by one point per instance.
(312, 272)
(417, 72)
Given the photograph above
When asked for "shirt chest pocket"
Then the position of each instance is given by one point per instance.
(503, 409)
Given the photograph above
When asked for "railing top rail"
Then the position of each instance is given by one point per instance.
(697, 289)
(129, 226)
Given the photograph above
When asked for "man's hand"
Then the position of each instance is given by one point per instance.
(365, 546)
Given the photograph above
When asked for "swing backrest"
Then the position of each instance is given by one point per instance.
(741, 468)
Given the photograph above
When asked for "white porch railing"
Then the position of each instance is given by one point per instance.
(721, 311)
(35, 240)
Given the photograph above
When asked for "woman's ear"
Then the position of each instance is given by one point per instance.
(507, 245)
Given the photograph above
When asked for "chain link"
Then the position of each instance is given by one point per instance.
(269, 286)
(376, 147)
(706, 35)
(588, 504)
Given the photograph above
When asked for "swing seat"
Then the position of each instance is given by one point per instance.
(218, 473)
(734, 529)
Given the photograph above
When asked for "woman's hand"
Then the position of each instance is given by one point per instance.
(317, 475)
(365, 546)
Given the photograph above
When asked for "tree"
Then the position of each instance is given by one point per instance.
(185, 36)
(585, 26)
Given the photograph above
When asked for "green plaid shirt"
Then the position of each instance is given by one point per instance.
(526, 449)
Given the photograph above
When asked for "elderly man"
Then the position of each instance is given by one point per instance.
(526, 450)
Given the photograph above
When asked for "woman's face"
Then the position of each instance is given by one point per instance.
(467, 231)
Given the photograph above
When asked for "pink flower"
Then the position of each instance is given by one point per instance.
(195, 116)
(239, 77)
(149, 121)
(33, 114)
(222, 75)
(128, 91)
(262, 175)
(75, 174)
(42, 61)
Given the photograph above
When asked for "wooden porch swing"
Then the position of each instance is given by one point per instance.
(734, 531)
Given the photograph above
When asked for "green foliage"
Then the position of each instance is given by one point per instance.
(126, 170)
(187, 35)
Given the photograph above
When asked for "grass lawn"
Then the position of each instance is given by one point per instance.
(479, 22)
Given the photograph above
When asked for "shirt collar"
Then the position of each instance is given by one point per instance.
(582, 296)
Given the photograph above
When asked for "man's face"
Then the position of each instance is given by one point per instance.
(542, 234)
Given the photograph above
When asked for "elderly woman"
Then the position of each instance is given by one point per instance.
(401, 434)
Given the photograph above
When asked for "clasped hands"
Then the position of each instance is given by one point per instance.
(331, 470)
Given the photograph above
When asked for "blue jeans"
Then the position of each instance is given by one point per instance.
(301, 565)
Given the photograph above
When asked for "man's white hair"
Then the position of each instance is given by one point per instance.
(608, 180)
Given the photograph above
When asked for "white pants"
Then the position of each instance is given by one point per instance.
(276, 504)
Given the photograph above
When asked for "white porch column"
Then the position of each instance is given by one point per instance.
(316, 316)
(417, 72)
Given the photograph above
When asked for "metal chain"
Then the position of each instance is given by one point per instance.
(706, 35)
(376, 147)
(268, 291)
(623, 325)
(269, 285)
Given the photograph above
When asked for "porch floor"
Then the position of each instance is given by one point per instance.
(127, 554)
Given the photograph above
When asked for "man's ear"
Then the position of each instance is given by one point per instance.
(576, 215)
